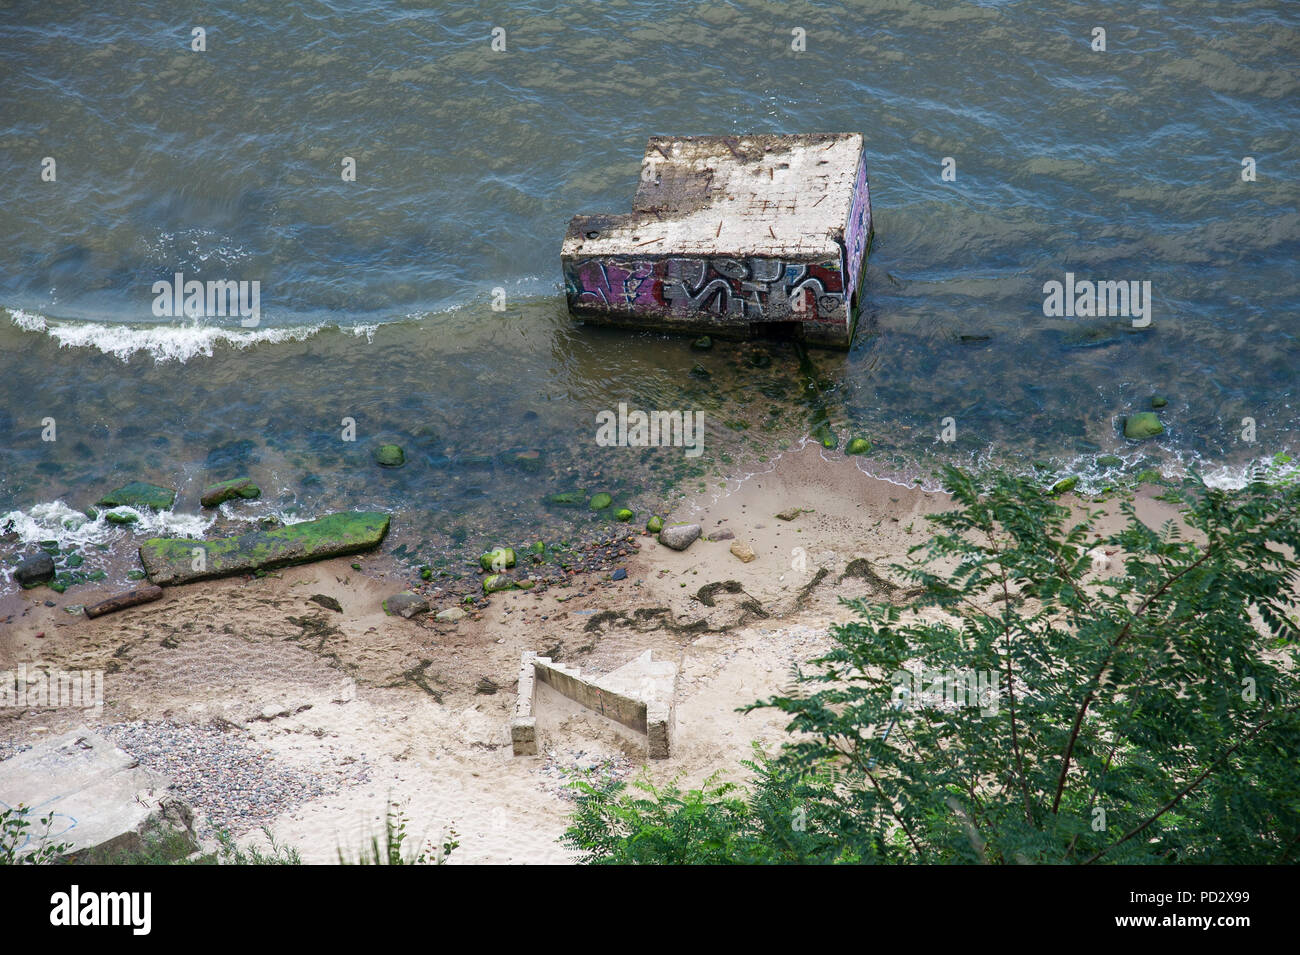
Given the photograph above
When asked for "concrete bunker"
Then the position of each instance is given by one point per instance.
(734, 236)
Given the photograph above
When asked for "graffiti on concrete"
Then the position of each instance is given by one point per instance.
(751, 289)
(859, 230)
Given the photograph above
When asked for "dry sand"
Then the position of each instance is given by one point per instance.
(376, 709)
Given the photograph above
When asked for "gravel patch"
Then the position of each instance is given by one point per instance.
(230, 783)
(598, 769)
(8, 749)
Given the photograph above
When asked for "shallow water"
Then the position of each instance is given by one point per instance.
(375, 295)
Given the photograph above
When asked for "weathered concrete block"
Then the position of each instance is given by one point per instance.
(182, 561)
(659, 728)
(731, 235)
(523, 735)
(103, 802)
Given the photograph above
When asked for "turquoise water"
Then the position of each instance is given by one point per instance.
(376, 294)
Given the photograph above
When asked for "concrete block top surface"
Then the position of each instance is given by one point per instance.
(95, 791)
(784, 196)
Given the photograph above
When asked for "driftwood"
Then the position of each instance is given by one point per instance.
(128, 598)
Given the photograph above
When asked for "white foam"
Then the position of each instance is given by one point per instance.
(163, 342)
(55, 520)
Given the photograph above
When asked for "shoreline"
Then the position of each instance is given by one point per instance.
(347, 710)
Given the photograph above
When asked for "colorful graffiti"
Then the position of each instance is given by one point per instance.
(859, 231)
(751, 289)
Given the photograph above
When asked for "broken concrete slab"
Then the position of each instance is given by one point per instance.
(730, 235)
(103, 802)
(180, 560)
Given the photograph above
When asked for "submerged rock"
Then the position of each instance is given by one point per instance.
(121, 517)
(601, 501)
(703, 343)
(857, 446)
(177, 560)
(390, 456)
(1109, 461)
(1159, 401)
(1144, 424)
(679, 536)
(34, 570)
(567, 498)
(624, 515)
(222, 491)
(530, 461)
(139, 494)
(406, 604)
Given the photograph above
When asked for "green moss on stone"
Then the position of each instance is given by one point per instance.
(215, 494)
(1065, 484)
(139, 494)
(1142, 425)
(390, 456)
(601, 501)
(499, 558)
(171, 560)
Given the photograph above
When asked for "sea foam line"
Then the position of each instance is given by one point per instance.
(162, 342)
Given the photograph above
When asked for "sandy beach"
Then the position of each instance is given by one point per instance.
(268, 709)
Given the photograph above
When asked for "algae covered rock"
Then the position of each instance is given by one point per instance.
(601, 501)
(1159, 401)
(567, 499)
(139, 494)
(181, 560)
(216, 494)
(34, 570)
(655, 524)
(623, 514)
(121, 517)
(498, 559)
(1144, 424)
(390, 456)
(858, 446)
(495, 583)
(1109, 461)
(1065, 484)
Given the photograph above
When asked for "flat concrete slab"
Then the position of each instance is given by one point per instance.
(169, 560)
(729, 235)
(102, 800)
